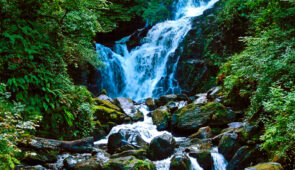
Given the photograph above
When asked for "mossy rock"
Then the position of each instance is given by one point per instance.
(40, 157)
(129, 163)
(161, 118)
(139, 154)
(204, 159)
(180, 162)
(189, 119)
(220, 114)
(266, 166)
(106, 103)
(105, 114)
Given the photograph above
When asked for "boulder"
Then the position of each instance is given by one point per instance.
(201, 98)
(106, 103)
(35, 158)
(244, 157)
(150, 102)
(139, 154)
(161, 147)
(161, 118)
(266, 166)
(174, 106)
(96, 162)
(228, 145)
(163, 100)
(189, 119)
(129, 162)
(203, 133)
(71, 161)
(129, 109)
(221, 115)
(213, 93)
(120, 141)
(180, 162)
(105, 98)
(204, 158)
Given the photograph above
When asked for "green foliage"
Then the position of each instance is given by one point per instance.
(12, 128)
(263, 74)
(39, 39)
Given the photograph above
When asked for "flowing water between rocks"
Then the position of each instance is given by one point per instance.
(148, 71)
(148, 131)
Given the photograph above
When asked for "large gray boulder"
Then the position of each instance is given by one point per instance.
(161, 147)
(129, 109)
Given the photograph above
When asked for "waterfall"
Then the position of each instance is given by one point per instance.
(148, 69)
(219, 161)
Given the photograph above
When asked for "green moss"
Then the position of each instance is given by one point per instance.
(106, 104)
(189, 107)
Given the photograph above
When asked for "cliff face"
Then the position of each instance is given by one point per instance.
(206, 46)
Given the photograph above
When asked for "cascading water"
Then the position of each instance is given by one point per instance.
(148, 70)
(142, 72)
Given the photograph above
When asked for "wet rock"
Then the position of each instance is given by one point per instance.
(163, 100)
(221, 115)
(266, 166)
(150, 102)
(91, 164)
(228, 145)
(35, 158)
(96, 162)
(174, 106)
(161, 147)
(129, 109)
(213, 93)
(129, 162)
(244, 157)
(119, 142)
(71, 161)
(203, 133)
(139, 154)
(36, 167)
(161, 118)
(180, 162)
(106, 98)
(201, 98)
(106, 103)
(188, 119)
(204, 158)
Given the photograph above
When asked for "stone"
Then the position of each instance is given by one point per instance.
(36, 158)
(244, 157)
(204, 158)
(119, 142)
(106, 98)
(213, 93)
(266, 166)
(228, 145)
(129, 162)
(150, 102)
(180, 162)
(129, 109)
(161, 118)
(161, 147)
(139, 154)
(201, 98)
(174, 106)
(203, 133)
(189, 119)
(163, 100)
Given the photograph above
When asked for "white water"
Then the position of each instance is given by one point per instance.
(149, 69)
(142, 72)
(219, 161)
